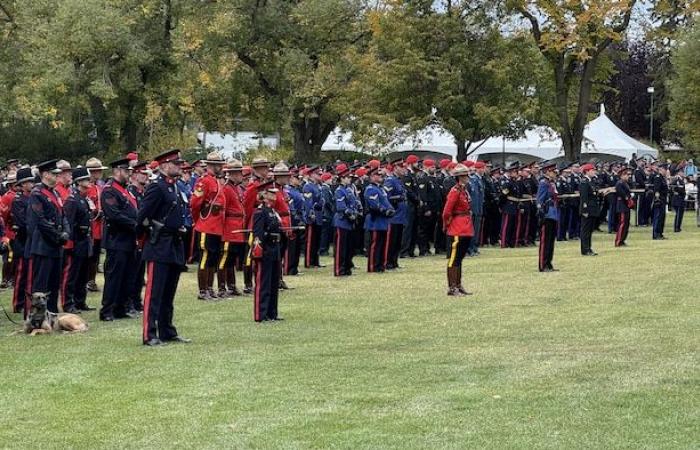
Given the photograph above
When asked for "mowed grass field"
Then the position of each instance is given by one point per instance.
(603, 354)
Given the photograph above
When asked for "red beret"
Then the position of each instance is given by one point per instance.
(468, 163)
(428, 163)
(375, 163)
(341, 169)
(361, 172)
(326, 176)
(451, 165)
(411, 159)
(153, 165)
(444, 163)
(587, 167)
(132, 156)
(479, 165)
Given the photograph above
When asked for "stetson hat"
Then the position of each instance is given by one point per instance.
(11, 177)
(460, 170)
(64, 166)
(233, 165)
(94, 164)
(280, 170)
(260, 162)
(215, 158)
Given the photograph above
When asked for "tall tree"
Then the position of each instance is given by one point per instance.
(295, 53)
(685, 92)
(573, 36)
(447, 64)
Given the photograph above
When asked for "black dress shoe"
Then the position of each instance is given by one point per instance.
(107, 319)
(277, 318)
(71, 310)
(153, 342)
(247, 290)
(126, 315)
(179, 340)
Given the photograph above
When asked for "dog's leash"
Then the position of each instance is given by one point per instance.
(8, 316)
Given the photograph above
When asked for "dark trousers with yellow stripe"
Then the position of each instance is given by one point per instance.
(458, 247)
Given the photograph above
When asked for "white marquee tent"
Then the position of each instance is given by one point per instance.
(603, 140)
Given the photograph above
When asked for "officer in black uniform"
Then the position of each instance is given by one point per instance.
(410, 231)
(47, 232)
(427, 211)
(509, 206)
(267, 234)
(162, 213)
(678, 200)
(564, 188)
(119, 241)
(25, 181)
(659, 202)
(137, 188)
(78, 216)
(589, 208)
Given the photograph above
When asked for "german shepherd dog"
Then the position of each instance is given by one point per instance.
(41, 321)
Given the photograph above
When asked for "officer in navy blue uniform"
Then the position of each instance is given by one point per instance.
(78, 216)
(313, 216)
(548, 214)
(119, 241)
(162, 213)
(344, 220)
(267, 233)
(47, 231)
(25, 180)
(396, 193)
(379, 211)
(296, 212)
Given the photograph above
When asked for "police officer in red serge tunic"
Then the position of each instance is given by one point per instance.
(457, 223)
(119, 241)
(162, 213)
(208, 205)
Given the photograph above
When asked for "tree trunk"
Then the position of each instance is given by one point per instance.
(561, 84)
(461, 149)
(309, 136)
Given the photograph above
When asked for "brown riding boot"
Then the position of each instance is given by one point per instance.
(451, 288)
(458, 280)
(221, 281)
(202, 284)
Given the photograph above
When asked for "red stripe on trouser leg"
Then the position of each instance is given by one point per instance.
(258, 279)
(504, 231)
(309, 237)
(147, 299)
(64, 281)
(18, 278)
(620, 230)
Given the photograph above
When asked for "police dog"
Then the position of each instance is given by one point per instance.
(41, 321)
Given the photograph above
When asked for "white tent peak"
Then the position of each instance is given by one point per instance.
(602, 109)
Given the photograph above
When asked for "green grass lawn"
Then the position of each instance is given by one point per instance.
(603, 354)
